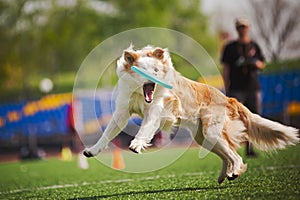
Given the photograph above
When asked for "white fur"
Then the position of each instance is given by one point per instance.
(276, 135)
(222, 123)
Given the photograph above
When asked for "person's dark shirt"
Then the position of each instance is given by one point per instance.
(243, 74)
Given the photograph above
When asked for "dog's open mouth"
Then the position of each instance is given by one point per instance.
(148, 89)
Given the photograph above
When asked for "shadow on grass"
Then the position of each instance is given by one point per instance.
(152, 192)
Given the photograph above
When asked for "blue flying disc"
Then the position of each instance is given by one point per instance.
(150, 77)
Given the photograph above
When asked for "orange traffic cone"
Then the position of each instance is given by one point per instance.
(118, 162)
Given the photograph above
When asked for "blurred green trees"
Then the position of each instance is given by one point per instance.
(50, 38)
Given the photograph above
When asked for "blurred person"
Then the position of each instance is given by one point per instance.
(241, 60)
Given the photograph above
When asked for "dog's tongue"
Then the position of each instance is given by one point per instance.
(148, 91)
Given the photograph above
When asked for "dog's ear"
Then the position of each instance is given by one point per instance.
(129, 57)
(158, 53)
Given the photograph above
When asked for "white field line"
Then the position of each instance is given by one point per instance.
(131, 180)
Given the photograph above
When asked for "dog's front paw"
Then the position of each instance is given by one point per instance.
(90, 152)
(137, 145)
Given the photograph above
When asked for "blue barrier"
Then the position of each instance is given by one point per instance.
(278, 90)
(42, 123)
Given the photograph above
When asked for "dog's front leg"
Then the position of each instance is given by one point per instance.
(150, 124)
(114, 127)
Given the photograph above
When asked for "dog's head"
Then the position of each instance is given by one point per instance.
(155, 61)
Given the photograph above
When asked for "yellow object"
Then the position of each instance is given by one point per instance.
(13, 116)
(48, 102)
(215, 81)
(66, 154)
(2, 122)
(293, 108)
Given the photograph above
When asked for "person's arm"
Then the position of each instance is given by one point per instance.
(260, 64)
(225, 76)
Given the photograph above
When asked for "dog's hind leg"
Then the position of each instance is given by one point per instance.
(232, 163)
(238, 166)
(226, 165)
(229, 161)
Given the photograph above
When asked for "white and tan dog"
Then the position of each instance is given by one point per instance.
(223, 123)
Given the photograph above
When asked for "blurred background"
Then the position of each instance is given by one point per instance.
(44, 42)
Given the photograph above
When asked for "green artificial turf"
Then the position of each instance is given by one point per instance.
(269, 176)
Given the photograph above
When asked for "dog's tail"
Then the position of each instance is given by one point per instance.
(263, 133)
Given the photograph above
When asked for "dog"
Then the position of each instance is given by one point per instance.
(223, 123)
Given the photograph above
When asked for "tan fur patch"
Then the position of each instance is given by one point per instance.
(172, 104)
(232, 108)
(158, 53)
(127, 68)
(237, 111)
(203, 94)
(227, 138)
(131, 59)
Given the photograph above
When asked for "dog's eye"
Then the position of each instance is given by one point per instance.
(156, 70)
